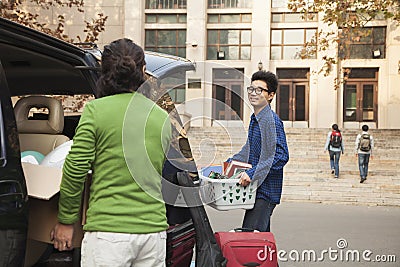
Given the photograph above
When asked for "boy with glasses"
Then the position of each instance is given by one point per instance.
(265, 149)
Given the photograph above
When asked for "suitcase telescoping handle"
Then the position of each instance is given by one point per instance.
(251, 264)
(241, 229)
(208, 252)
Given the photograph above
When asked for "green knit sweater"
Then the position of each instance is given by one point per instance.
(123, 138)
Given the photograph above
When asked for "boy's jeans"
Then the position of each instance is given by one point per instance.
(363, 160)
(259, 217)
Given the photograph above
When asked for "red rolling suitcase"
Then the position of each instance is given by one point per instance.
(180, 243)
(248, 248)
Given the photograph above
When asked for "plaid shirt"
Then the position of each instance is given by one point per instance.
(267, 153)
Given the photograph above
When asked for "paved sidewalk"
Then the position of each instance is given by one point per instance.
(306, 226)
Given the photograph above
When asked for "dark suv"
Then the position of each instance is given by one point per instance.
(35, 64)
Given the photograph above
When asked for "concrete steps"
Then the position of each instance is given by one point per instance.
(307, 176)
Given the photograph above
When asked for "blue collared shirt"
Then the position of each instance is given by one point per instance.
(266, 150)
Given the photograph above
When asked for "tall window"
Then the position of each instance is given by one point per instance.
(234, 44)
(165, 4)
(230, 3)
(172, 42)
(369, 44)
(289, 43)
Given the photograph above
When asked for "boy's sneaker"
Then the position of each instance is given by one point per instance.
(333, 171)
(336, 176)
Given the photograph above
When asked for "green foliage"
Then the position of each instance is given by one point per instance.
(13, 10)
(347, 20)
(349, 13)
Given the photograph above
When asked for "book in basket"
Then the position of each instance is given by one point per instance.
(235, 166)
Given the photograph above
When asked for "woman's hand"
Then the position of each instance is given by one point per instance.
(61, 236)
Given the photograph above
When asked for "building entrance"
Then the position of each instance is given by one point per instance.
(292, 95)
(227, 94)
(361, 96)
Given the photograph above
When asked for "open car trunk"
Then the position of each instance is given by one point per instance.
(35, 64)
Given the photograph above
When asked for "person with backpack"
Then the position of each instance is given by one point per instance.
(334, 145)
(364, 146)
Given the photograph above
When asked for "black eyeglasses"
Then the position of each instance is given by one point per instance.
(257, 89)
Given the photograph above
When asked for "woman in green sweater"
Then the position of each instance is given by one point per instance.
(122, 137)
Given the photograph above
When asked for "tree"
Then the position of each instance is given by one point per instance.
(347, 21)
(13, 10)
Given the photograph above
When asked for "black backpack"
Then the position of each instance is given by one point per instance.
(336, 139)
(365, 143)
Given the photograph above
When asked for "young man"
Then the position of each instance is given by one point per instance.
(364, 146)
(265, 149)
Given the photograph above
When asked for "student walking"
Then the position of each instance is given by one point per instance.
(334, 144)
(364, 146)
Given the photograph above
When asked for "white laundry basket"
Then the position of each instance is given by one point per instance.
(227, 194)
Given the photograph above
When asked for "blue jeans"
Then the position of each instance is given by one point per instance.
(334, 157)
(363, 160)
(259, 217)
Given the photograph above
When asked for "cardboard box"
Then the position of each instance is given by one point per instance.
(43, 184)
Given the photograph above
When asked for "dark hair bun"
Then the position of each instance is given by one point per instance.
(122, 68)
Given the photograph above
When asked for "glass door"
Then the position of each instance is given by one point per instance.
(292, 101)
(360, 100)
(228, 103)
(300, 102)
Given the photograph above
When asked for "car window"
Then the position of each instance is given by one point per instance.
(180, 152)
(175, 86)
(72, 105)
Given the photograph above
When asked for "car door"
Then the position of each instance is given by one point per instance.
(13, 191)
